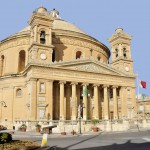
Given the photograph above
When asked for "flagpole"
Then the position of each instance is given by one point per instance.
(138, 85)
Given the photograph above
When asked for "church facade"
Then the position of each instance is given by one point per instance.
(52, 71)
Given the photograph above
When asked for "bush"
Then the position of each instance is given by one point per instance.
(38, 125)
(23, 126)
(5, 137)
(95, 121)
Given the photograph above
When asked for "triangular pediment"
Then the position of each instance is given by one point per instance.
(91, 66)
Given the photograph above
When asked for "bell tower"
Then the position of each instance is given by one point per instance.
(121, 50)
(41, 47)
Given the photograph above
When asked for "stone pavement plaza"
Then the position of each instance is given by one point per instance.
(131, 140)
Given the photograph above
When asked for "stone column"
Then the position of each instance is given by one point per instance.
(56, 105)
(74, 101)
(49, 92)
(33, 113)
(96, 102)
(85, 94)
(123, 95)
(134, 110)
(115, 103)
(106, 103)
(68, 106)
(62, 100)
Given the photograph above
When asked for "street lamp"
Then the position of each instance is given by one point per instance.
(79, 116)
(85, 93)
(3, 104)
(71, 106)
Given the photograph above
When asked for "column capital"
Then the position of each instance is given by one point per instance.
(124, 87)
(50, 81)
(105, 85)
(62, 82)
(94, 85)
(85, 84)
(74, 83)
(114, 86)
(32, 79)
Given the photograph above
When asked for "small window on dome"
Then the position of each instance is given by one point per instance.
(98, 58)
(78, 54)
(2, 65)
(42, 37)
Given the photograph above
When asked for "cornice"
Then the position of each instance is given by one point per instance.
(122, 59)
(15, 37)
(58, 65)
(40, 45)
(121, 35)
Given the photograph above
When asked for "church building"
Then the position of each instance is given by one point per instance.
(52, 72)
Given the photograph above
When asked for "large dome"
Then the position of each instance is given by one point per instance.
(58, 24)
(63, 33)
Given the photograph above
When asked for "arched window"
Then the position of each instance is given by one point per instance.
(78, 54)
(18, 92)
(98, 58)
(21, 65)
(42, 37)
(124, 53)
(2, 65)
(116, 52)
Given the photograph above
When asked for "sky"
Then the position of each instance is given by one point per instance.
(98, 18)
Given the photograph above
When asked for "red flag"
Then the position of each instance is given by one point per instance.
(143, 84)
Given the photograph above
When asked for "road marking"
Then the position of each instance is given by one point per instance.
(146, 139)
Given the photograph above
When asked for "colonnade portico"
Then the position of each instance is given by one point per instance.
(68, 95)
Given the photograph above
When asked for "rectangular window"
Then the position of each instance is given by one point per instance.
(128, 93)
(42, 87)
(41, 113)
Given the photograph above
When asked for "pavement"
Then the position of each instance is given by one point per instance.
(33, 134)
(127, 140)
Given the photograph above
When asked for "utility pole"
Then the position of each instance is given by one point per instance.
(79, 114)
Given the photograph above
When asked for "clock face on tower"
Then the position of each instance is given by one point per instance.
(43, 56)
(127, 68)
